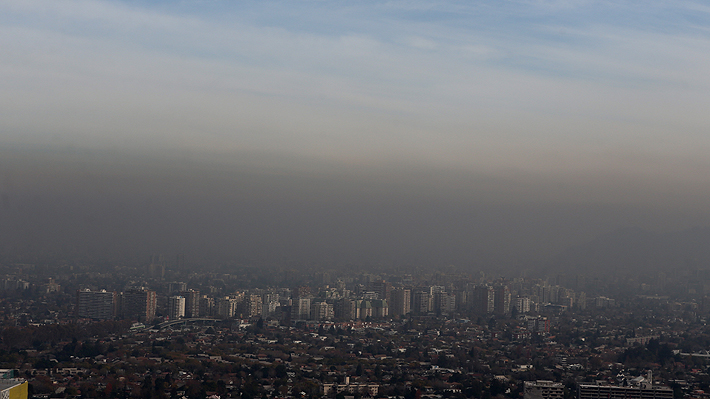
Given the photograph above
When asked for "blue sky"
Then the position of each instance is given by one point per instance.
(553, 88)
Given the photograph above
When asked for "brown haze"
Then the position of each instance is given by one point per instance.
(269, 208)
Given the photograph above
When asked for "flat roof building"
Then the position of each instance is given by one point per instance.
(595, 391)
(542, 389)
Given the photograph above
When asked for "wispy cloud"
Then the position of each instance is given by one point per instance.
(502, 83)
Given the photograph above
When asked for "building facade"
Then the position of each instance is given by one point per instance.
(176, 307)
(401, 302)
(139, 304)
(542, 389)
(594, 391)
(100, 305)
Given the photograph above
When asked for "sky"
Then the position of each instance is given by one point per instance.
(402, 131)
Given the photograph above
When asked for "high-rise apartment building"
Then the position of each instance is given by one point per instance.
(485, 299)
(192, 303)
(501, 300)
(421, 302)
(227, 306)
(322, 311)
(176, 286)
(522, 305)
(401, 302)
(301, 308)
(364, 309)
(207, 306)
(380, 308)
(463, 298)
(383, 289)
(139, 304)
(269, 303)
(156, 267)
(444, 303)
(251, 306)
(99, 305)
(176, 307)
(345, 309)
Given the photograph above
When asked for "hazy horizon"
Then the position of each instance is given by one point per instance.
(486, 134)
(277, 209)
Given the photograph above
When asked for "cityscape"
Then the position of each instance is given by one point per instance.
(161, 330)
(373, 199)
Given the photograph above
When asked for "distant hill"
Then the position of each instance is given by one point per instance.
(634, 250)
